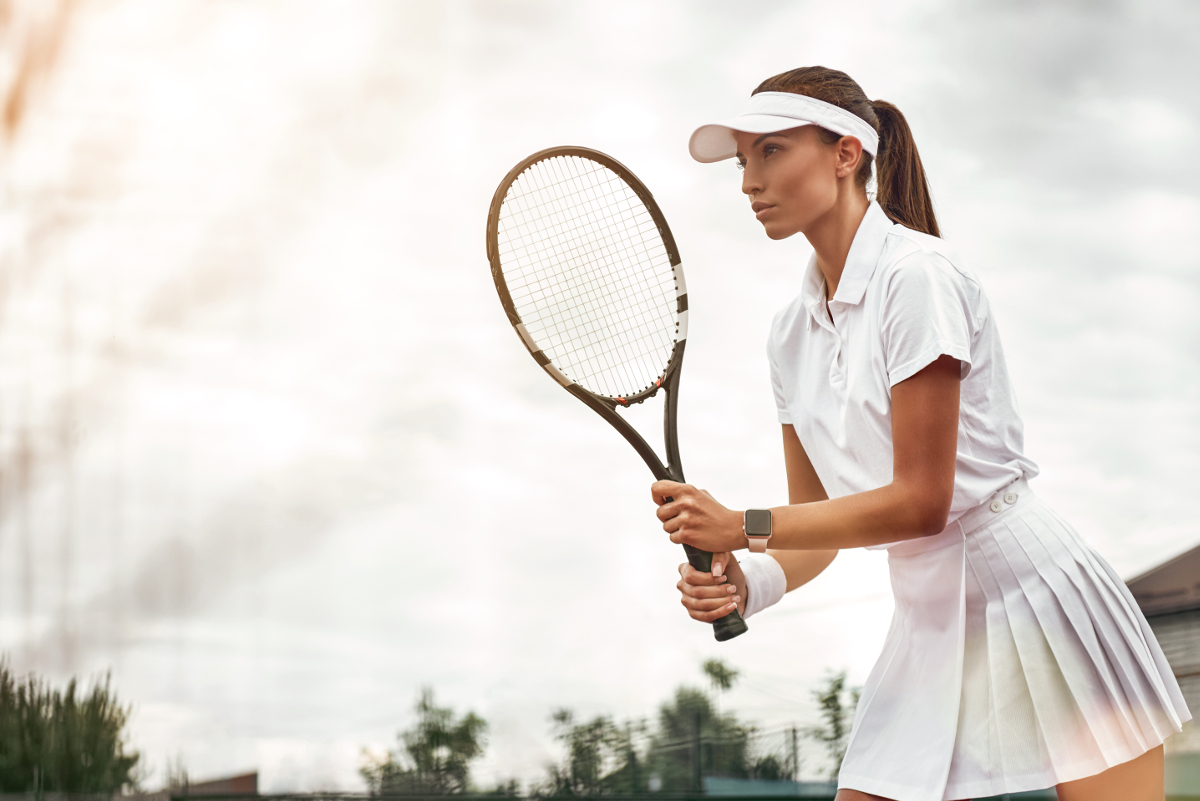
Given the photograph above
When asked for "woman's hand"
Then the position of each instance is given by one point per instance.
(710, 596)
(693, 517)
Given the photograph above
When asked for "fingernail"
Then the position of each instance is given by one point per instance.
(731, 607)
(730, 588)
(737, 599)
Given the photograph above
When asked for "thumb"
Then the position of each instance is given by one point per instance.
(663, 490)
(719, 563)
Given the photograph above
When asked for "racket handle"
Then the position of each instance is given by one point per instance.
(724, 628)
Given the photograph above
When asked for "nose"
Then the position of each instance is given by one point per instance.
(751, 185)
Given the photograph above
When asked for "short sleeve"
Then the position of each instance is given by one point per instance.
(927, 313)
(781, 409)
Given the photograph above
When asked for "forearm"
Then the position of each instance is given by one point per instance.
(892, 513)
(801, 567)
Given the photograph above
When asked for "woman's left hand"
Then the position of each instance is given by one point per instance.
(694, 517)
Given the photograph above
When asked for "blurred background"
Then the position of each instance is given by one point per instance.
(271, 456)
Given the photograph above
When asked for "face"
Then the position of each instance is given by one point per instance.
(791, 178)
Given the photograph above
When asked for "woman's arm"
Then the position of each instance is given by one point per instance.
(915, 504)
(707, 595)
(804, 486)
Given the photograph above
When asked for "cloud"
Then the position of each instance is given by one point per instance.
(316, 468)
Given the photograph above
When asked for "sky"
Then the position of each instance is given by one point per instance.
(273, 458)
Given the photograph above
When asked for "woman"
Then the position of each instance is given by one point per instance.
(1016, 659)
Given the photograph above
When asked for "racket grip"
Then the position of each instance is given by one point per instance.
(724, 628)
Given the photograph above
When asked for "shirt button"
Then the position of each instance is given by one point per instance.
(1010, 497)
(996, 506)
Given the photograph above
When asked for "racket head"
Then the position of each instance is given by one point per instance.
(588, 273)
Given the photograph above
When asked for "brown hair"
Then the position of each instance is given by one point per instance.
(902, 189)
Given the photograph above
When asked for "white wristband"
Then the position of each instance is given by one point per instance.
(766, 582)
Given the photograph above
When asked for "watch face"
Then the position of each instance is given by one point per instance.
(758, 522)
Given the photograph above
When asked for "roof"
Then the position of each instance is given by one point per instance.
(1173, 586)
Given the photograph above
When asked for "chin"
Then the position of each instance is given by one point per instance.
(777, 233)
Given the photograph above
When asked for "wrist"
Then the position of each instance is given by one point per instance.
(737, 530)
(757, 528)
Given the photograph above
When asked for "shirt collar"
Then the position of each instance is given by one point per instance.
(864, 254)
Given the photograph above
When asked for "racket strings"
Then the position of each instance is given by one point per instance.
(589, 274)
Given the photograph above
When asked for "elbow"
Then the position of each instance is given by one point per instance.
(930, 517)
(921, 508)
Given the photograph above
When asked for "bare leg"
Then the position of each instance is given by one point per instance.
(855, 795)
(1139, 779)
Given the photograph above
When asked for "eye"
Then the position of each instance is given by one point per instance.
(741, 164)
(769, 148)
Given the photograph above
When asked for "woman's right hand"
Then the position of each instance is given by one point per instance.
(711, 596)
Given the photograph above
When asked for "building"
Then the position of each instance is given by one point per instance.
(1169, 596)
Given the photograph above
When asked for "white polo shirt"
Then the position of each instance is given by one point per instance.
(904, 300)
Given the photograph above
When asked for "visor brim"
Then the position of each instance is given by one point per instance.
(716, 142)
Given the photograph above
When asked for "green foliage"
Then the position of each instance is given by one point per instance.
(720, 674)
(693, 741)
(837, 714)
(602, 758)
(770, 768)
(437, 754)
(61, 740)
(508, 789)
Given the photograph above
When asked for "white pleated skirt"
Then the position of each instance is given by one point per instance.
(1016, 660)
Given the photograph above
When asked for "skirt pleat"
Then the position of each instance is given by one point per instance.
(1016, 660)
(1147, 707)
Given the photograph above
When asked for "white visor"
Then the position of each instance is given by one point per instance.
(769, 112)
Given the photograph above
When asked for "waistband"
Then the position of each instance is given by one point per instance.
(1005, 500)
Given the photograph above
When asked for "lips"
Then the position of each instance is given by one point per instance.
(759, 208)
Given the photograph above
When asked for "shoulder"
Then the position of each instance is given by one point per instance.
(786, 318)
(784, 325)
(911, 257)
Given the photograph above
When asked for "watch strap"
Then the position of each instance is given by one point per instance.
(757, 525)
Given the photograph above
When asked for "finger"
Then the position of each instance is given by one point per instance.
(699, 578)
(706, 593)
(719, 561)
(723, 611)
(704, 606)
(662, 490)
(709, 611)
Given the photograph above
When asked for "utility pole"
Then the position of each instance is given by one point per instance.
(795, 757)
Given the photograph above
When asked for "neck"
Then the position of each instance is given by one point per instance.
(833, 233)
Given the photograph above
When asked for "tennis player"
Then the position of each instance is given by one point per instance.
(1016, 659)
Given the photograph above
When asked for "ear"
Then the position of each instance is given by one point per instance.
(848, 154)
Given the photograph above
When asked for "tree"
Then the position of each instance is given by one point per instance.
(436, 757)
(693, 741)
(720, 674)
(602, 758)
(62, 740)
(837, 713)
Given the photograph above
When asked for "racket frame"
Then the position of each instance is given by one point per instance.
(731, 625)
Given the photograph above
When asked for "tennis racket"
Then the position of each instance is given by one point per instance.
(589, 275)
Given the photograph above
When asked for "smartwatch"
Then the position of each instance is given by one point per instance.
(757, 527)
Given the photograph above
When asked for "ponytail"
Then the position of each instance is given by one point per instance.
(902, 189)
